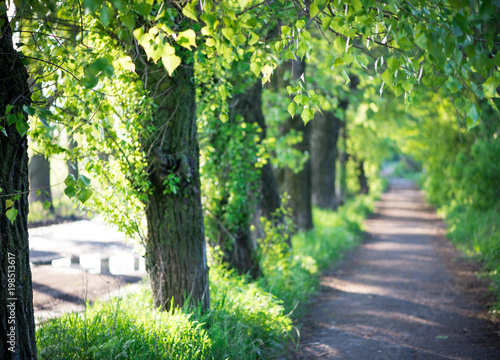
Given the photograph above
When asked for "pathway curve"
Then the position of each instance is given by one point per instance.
(402, 295)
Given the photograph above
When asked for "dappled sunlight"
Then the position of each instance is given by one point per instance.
(354, 287)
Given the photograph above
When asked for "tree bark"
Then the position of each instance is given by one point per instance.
(298, 185)
(249, 106)
(324, 136)
(175, 246)
(17, 330)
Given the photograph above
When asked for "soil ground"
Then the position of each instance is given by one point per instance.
(60, 290)
(406, 293)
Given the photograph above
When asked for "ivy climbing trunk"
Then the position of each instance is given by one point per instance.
(324, 136)
(175, 246)
(298, 184)
(17, 330)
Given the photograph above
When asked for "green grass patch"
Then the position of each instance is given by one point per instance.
(247, 320)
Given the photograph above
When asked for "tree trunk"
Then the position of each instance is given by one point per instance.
(249, 106)
(175, 247)
(298, 185)
(324, 136)
(363, 181)
(343, 156)
(39, 173)
(269, 196)
(17, 331)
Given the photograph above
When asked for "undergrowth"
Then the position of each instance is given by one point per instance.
(246, 320)
(477, 233)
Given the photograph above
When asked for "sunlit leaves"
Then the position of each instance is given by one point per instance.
(143, 7)
(292, 109)
(11, 214)
(187, 39)
(78, 187)
(171, 62)
(490, 86)
(189, 11)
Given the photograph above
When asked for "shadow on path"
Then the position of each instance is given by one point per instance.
(396, 298)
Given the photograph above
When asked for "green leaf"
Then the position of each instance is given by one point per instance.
(254, 38)
(70, 180)
(300, 24)
(190, 12)
(92, 5)
(83, 181)
(8, 108)
(292, 108)
(22, 127)
(171, 62)
(187, 39)
(38, 192)
(301, 99)
(8, 203)
(393, 64)
(84, 195)
(29, 110)
(490, 87)
(314, 10)
(307, 115)
(70, 191)
(47, 204)
(2, 130)
(107, 14)
(11, 118)
(11, 214)
(285, 30)
(129, 21)
(408, 86)
(387, 77)
(144, 7)
(102, 65)
(228, 34)
(472, 117)
(329, 61)
(89, 82)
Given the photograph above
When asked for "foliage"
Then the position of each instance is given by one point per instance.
(477, 233)
(246, 320)
(123, 328)
(63, 208)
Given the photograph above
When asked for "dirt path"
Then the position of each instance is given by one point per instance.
(402, 295)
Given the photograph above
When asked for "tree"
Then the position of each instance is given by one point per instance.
(17, 338)
(409, 43)
(324, 136)
(39, 174)
(298, 183)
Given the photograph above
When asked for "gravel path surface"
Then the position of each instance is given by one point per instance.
(405, 294)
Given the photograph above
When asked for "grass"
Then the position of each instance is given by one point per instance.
(247, 320)
(477, 233)
(63, 208)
